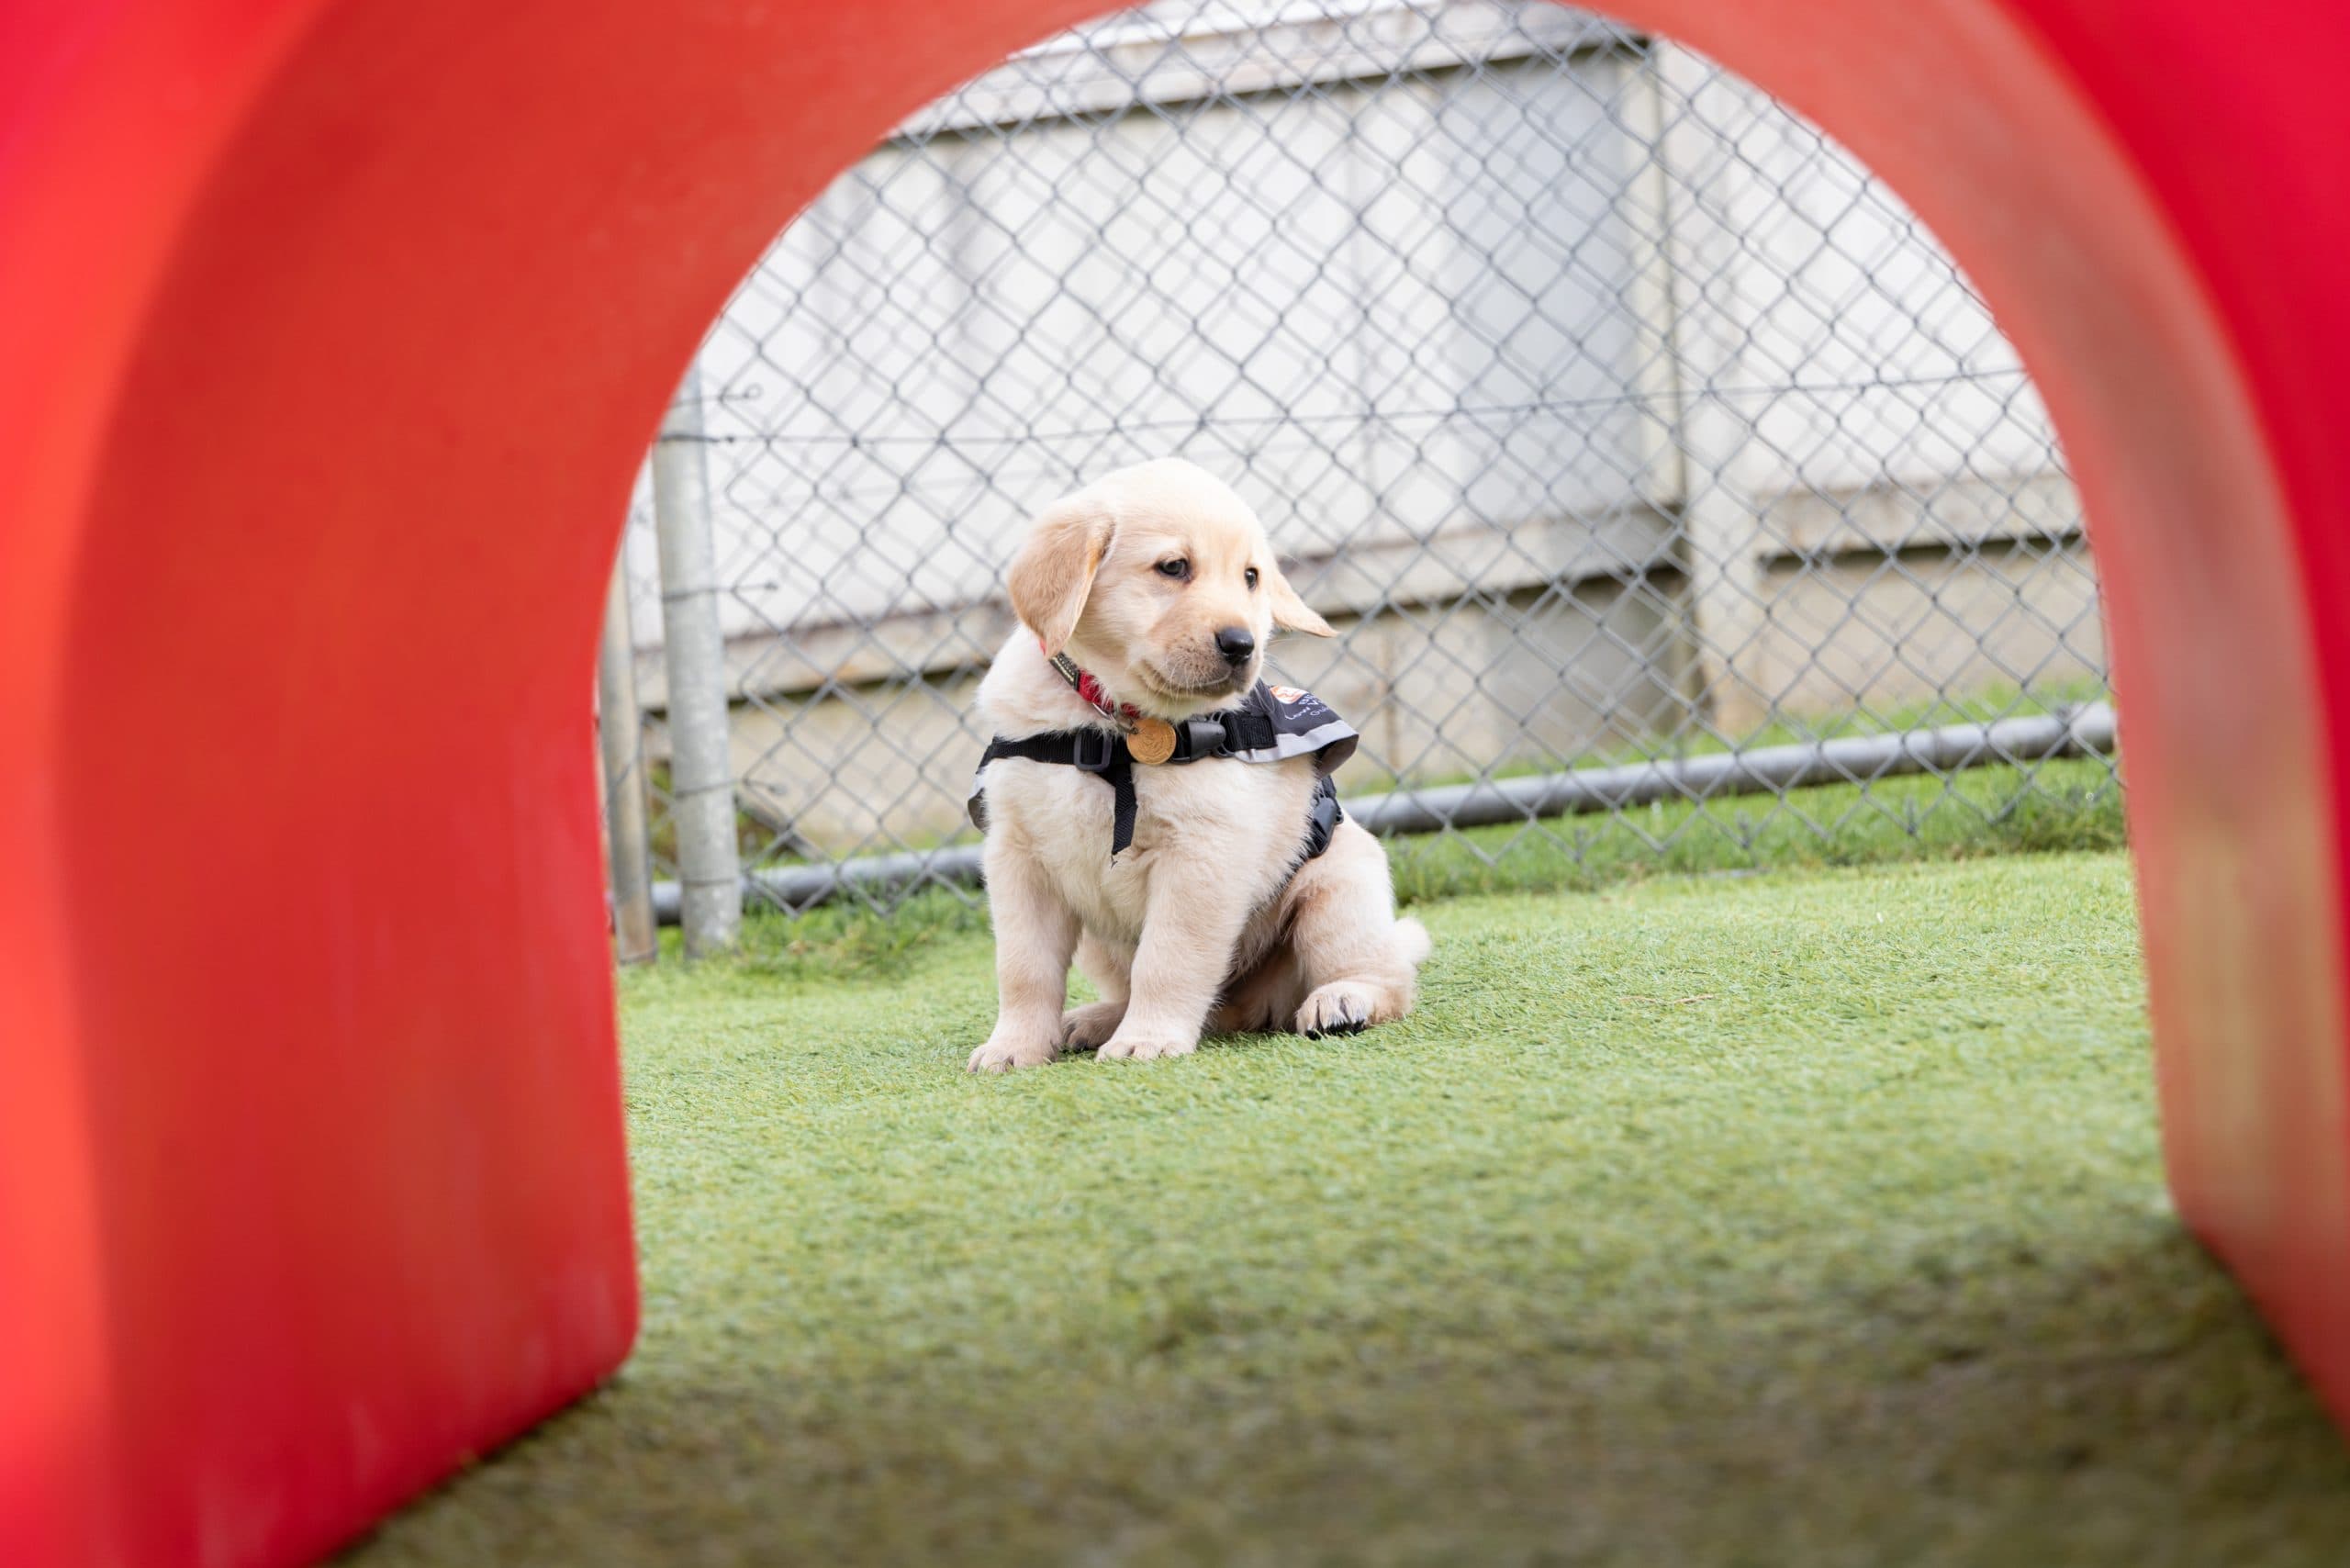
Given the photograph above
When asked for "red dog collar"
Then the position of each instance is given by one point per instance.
(1084, 684)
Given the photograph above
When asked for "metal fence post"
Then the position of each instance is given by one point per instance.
(1719, 528)
(621, 730)
(709, 869)
(1650, 300)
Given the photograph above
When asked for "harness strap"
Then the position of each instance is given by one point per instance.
(1322, 818)
(1219, 735)
(1089, 751)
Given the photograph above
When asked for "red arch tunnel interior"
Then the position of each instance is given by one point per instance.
(311, 1170)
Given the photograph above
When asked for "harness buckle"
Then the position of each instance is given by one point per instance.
(1196, 738)
(1087, 759)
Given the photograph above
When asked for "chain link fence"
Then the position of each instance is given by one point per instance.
(1671, 492)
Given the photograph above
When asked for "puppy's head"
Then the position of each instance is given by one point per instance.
(1159, 580)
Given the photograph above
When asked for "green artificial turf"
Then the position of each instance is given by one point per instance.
(1804, 1219)
(2065, 803)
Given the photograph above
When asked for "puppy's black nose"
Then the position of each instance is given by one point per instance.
(1236, 643)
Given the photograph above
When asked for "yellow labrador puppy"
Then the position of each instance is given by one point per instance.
(1153, 810)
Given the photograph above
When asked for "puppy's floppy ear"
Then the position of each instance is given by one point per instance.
(1053, 571)
(1290, 613)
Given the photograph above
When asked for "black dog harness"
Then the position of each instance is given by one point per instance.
(1273, 723)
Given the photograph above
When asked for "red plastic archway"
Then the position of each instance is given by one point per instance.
(329, 333)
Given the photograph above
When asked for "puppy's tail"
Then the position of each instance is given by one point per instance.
(1411, 942)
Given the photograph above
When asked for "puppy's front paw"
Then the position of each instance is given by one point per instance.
(1003, 1052)
(1123, 1048)
(1085, 1028)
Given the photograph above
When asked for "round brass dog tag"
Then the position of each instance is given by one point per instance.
(1151, 741)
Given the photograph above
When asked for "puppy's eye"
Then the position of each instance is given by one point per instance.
(1180, 570)
(1251, 575)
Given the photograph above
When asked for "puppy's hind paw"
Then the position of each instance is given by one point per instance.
(1087, 1028)
(1342, 1007)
